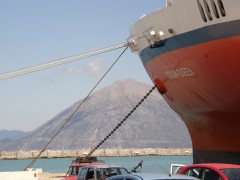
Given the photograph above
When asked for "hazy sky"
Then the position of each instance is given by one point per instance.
(34, 32)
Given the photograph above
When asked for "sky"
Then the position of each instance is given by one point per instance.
(34, 32)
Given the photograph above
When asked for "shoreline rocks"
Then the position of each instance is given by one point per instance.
(99, 153)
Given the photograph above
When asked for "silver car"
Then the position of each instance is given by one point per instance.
(100, 172)
(145, 176)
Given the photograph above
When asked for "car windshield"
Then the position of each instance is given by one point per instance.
(72, 171)
(111, 171)
(231, 173)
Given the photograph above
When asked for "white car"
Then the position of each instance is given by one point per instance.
(145, 176)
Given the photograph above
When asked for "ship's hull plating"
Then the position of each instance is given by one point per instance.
(198, 74)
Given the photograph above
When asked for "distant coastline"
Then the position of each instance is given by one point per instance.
(99, 153)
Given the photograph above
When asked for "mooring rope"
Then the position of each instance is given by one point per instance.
(77, 108)
(43, 66)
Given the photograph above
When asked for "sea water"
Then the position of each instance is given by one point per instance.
(151, 164)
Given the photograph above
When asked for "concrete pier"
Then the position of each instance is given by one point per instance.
(51, 176)
(99, 153)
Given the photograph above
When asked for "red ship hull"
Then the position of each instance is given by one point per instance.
(202, 84)
(191, 51)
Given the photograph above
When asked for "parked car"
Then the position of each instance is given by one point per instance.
(212, 171)
(100, 172)
(143, 176)
(175, 168)
(73, 169)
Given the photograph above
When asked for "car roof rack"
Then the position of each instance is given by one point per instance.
(90, 159)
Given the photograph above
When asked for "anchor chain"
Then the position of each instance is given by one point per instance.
(121, 122)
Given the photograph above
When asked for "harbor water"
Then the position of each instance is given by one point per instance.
(151, 164)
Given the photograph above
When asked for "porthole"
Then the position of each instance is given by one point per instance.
(209, 15)
(201, 11)
(221, 7)
(214, 8)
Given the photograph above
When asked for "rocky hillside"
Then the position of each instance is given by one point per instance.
(152, 125)
(11, 135)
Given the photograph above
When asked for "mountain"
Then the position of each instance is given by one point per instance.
(152, 125)
(13, 135)
(7, 137)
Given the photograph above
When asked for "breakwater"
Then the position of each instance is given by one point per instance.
(99, 153)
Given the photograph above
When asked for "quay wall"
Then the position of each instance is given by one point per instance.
(98, 153)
